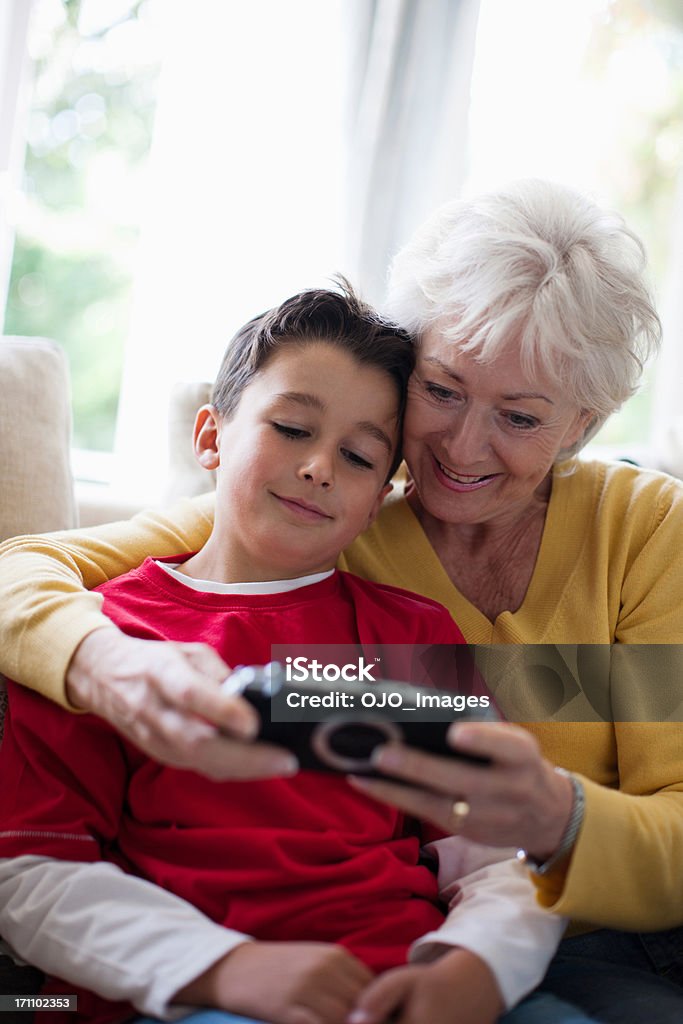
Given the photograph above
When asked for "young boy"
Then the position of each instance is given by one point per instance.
(276, 899)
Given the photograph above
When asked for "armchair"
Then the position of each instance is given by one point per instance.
(37, 491)
(37, 494)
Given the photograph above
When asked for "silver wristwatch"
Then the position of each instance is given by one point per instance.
(568, 836)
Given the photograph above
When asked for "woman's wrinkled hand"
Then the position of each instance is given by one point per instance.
(518, 800)
(165, 697)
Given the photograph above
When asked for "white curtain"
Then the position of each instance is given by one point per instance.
(408, 108)
(260, 183)
(242, 209)
(14, 99)
(667, 426)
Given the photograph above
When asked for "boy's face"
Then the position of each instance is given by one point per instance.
(301, 463)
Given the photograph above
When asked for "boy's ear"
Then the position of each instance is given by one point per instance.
(205, 437)
(378, 503)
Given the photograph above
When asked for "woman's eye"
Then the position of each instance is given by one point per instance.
(439, 393)
(356, 460)
(291, 432)
(520, 421)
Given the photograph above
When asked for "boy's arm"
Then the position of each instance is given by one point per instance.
(143, 943)
(493, 913)
(146, 946)
(64, 782)
(44, 611)
(65, 779)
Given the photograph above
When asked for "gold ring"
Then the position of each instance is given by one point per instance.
(459, 813)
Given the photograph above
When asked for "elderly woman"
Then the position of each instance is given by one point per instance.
(533, 322)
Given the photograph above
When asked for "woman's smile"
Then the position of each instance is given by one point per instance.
(462, 482)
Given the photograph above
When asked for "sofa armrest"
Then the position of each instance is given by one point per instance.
(35, 434)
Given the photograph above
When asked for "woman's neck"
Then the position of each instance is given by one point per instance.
(492, 562)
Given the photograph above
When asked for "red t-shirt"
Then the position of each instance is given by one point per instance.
(306, 858)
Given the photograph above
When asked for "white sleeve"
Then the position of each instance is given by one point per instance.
(117, 935)
(494, 913)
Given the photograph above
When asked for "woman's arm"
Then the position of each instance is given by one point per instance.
(165, 698)
(624, 871)
(45, 612)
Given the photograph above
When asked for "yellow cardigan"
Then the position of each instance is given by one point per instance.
(609, 571)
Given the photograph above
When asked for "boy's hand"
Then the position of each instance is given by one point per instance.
(459, 988)
(282, 982)
(165, 697)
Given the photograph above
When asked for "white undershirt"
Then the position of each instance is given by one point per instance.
(174, 569)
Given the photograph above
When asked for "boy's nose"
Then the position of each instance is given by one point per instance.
(318, 470)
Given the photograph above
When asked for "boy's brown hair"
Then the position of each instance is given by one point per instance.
(337, 318)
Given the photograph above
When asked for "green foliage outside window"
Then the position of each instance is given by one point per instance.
(644, 158)
(96, 68)
(89, 134)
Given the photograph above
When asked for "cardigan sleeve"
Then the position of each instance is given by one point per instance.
(624, 871)
(44, 611)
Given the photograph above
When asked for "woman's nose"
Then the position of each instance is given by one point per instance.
(467, 437)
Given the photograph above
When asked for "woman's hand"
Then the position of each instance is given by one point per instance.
(518, 800)
(165, 697)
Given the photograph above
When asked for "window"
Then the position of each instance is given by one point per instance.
(245, 191)
(590, 93)
(95, 71)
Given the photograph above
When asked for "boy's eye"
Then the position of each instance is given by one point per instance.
(291, 432)
(356, 460)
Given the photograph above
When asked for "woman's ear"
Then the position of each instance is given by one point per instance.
(205, 437)
(577, 429)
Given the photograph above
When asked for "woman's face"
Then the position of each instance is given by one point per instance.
(480, 438)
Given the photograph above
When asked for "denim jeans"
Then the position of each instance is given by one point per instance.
(203, 1017)
(539, 1008)
(621, 977)
(545, 1008)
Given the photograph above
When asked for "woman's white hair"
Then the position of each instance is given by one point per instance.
(541, 265)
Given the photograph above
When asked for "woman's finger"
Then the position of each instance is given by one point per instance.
(502, 742)
(417, 803)
(173, 738)
(181, 685)
(451, 777)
